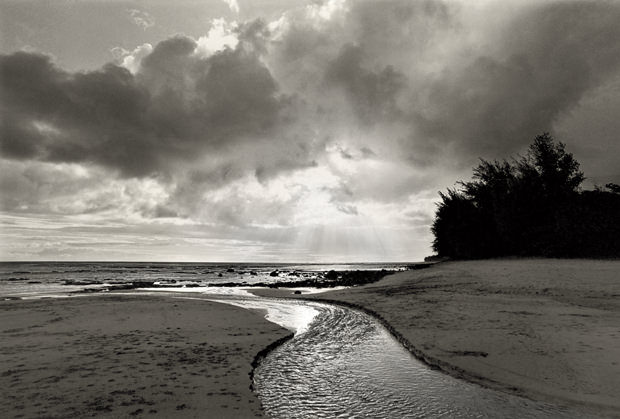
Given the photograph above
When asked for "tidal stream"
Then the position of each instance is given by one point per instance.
(343, 363)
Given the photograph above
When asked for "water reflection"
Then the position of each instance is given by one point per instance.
(346, 364)
(294, 317)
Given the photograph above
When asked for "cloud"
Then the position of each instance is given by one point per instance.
(348, 209)
(141, 18)
(427, 77)
(447, 79)
(177, 107)
(131, 59)
(233, 5)
(551, 55)
(222, 35)
(72, 189)
(342, 110)
(372, 94)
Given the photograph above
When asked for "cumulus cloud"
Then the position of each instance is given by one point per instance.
(233, 5)
(141, 18)
(377, 103)
(177, 107)
(131, 59)
(441, 78)
(222, 35)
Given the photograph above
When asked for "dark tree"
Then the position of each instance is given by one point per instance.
(551, 168)
(531, 207)
(455, 226)
(492, 192)
(549, 178)
(615, 188)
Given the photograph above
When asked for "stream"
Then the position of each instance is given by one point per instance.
(343, 363)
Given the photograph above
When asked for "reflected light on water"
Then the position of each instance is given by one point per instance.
(294, 317)
(343, 363)
(228, 291)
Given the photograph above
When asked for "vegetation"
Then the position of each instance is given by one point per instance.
(530, 206)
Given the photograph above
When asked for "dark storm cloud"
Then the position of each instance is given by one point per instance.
(552, 55)
(372, 94)
(420, 79)
(438, 78)
(55, 116)
(395, 28)
(177, 107)
(170, 65)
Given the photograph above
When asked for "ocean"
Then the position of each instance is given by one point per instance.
(35, 279)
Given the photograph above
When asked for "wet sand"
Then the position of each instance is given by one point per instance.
(546, 329)
(129, 356)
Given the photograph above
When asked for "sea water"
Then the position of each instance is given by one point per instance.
(26, 279)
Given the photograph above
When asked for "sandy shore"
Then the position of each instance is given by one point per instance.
(129, 356)
(546, 329)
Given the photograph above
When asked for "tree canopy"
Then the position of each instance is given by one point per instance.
(529, 206)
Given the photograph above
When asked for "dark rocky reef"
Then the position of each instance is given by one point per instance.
(115, 287)
(329, 279)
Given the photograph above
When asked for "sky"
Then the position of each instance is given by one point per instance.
(282, 130)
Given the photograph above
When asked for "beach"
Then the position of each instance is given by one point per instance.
(547, 329)
(123, 356)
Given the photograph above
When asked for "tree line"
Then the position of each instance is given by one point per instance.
(529, 206)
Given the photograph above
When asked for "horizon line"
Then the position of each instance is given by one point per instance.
(219, 262)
